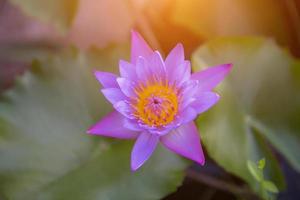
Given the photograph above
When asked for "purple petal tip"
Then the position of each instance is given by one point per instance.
(180, 45)
(134, 32)
(95, 72)
(198, 158)
(89, 131)
(228, 66)
(134, 168)
(200, 161)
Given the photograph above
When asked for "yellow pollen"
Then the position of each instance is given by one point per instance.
(156, 104)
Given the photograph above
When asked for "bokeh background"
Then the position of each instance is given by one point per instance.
(48, 50)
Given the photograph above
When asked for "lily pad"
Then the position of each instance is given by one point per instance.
(259, 104)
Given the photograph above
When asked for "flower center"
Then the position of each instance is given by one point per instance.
(156, 104)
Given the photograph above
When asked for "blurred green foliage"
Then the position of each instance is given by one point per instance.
(259, 104)
(59, 13)
(267, 188)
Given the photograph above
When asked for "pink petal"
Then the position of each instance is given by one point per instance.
(113, 95)
(127, 70)
(108, 80)
(204, 101)
(185, 141)
(132, 125)
(127, 86)
(186, 102)
(157, 65)
(124, 108)
(212, 76)
(142, 150)
(187, 71)
(189, 89)
(139, 47)
(187, 115)
(174, 59)
(187, 94)
(142, 69)
(180, 73)
(112, 126)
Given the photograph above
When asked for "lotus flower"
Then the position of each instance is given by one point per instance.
(156, 100)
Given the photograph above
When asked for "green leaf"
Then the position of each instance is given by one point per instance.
(261, 87)
(262, 164)
(283, 137)
(44, 149)
(255, 171)
(60, 13)
(24, 53)
(265, 80)
(269, 186)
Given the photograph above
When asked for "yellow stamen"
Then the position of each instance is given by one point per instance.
(156, 104)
